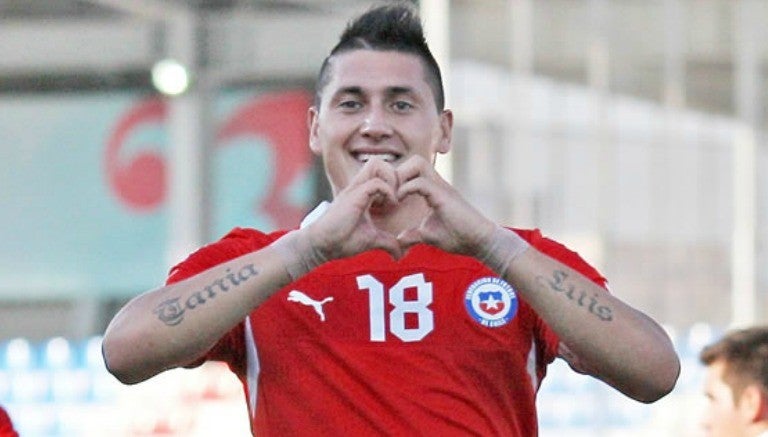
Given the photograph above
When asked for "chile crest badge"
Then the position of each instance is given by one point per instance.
(491, 301)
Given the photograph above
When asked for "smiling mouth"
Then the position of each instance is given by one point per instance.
(386, 157)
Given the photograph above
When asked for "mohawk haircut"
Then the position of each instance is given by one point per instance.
(390, 27)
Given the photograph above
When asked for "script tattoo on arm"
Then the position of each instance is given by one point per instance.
(558, 284)
(171, 311)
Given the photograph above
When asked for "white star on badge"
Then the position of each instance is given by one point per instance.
(492, 302)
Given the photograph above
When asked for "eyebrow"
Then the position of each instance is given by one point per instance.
(349, 90)
(390, 91)
(395, 90)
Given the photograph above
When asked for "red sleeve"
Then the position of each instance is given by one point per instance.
(6, 426)
(236, 243)
(548, 349)
(561, 253)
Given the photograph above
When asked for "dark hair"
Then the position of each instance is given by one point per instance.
(395, 27)
(745, 354)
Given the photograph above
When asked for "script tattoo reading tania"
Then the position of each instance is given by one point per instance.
(557, 283)
(171, 311)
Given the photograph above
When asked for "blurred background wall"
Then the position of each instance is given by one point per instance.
(631, 130)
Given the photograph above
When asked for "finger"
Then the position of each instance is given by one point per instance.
(414, 167)
(383, 170)
(421, 186)
(417, 176)
(375, 168)
(373, 191)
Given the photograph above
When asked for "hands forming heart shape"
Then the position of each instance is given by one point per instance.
(393, 208)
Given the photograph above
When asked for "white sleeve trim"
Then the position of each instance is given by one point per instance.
(252, 367)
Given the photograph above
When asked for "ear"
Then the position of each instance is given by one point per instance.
(753, 404)
(446, 129)
(313, 115)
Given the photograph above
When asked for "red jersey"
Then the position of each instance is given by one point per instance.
(6, 426)
(434, 343)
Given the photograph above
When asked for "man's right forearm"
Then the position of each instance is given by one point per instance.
(177, 324)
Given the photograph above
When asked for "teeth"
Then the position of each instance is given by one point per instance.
(386, 157)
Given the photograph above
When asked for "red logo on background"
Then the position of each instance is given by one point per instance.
(139, 181)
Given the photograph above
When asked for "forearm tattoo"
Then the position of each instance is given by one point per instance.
(559, 284)
(171, 311)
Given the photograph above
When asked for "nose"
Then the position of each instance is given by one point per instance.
(376, 125)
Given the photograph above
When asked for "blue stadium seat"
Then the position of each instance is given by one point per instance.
(90, 351)
(71, 385)
(5, 386)
(103, 386)
(34, 420)
(18, 354)
(57, 354)
(30, 386)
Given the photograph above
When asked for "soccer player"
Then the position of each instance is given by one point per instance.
(736, 384)
(397, 308)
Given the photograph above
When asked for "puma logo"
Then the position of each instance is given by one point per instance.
(298, 296)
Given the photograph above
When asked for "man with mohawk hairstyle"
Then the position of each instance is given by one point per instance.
(397, 308)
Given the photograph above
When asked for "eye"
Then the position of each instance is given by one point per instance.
(350, 105)
(402, 105)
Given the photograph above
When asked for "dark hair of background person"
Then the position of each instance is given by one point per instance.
(745, 354)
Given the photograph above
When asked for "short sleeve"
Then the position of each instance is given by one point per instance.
(239, 241)
(549, 341)
(563, 254)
